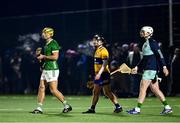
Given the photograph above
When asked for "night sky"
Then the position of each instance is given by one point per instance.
(116, 24)
(33, 7)
(9, 8)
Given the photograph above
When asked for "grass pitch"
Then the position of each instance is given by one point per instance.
(16, 109)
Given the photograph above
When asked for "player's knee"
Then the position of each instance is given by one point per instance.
(154, 89)
(53, 91)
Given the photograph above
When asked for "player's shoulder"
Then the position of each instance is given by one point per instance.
(153, 44)
(151, 40)
(54, 42)
(104, 49)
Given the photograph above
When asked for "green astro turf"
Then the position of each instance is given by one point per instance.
(17, 108)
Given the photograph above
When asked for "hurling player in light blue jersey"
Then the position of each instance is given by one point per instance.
(151, 63)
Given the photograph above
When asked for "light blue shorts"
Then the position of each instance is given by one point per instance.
(149, 74)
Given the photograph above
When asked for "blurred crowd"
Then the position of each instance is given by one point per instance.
(20, 73)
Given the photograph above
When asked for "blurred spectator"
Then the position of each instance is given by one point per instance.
(117, 85)
(133, 59)
(119, 82)
(70, 82)
(82, 71)
(6, 68)
(15, 80)
(125, 49)
(175, 73)
(75, 67)
(11, 68)
(134, 56)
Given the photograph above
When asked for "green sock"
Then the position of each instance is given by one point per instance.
(39, 105)
(139, 105)
(164, 103)
(65, 103)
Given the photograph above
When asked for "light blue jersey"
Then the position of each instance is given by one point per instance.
(146, 49)
(152, 60)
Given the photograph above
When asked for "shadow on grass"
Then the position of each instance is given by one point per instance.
(73, 114)
(167, 115)
(55, 114)
(108, 114)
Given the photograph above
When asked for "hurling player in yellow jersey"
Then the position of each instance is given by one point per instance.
(102, 76)
(50, 71)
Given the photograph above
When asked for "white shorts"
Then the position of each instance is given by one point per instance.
(50, 75)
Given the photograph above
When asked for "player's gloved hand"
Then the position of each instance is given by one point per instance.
(134, 70)
(165, 71)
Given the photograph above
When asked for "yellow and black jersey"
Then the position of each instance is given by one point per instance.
(101, 54)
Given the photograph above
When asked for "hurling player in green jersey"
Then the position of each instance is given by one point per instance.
(50, 71)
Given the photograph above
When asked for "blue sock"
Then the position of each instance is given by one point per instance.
(117, 105)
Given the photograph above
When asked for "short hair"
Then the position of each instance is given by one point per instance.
(48, 30)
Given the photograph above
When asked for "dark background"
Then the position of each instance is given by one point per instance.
(76, 21)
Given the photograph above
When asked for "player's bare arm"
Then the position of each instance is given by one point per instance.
(105, 63)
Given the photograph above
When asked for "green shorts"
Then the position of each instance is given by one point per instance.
(149, 74)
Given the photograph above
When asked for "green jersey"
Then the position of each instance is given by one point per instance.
(49, 48)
